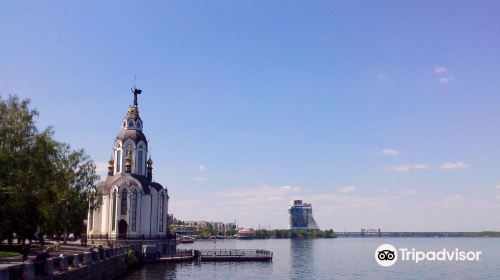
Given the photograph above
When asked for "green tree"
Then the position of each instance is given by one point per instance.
(45, 187)
(204, 232)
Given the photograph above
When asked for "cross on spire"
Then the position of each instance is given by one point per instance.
(135, 91)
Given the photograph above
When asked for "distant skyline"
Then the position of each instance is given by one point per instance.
(380, 114)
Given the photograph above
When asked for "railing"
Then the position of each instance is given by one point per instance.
(47, 267)
(179, 253)
(131, 237)
(236, 252)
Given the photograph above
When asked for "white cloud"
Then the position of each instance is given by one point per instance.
(202, 167)
(348, 202)
(443, 74)
(440, 70)
(454, 165)
(289, 188)
(410, 167)
(322, 197)
(347, 189)
(390, 152)
(425, 166)
(497, 186)
(421, 166)
(267, 205)
(446, 80)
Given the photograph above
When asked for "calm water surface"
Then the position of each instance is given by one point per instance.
(340, 258)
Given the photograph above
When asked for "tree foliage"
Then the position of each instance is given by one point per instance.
(45, 186)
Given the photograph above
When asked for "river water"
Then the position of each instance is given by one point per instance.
(339, 258)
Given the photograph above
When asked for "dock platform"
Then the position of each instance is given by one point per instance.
(214, 255)
(235, 255)
(172, 259)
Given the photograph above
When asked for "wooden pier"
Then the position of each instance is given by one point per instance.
(169, 259)
(214, 255)
(235, 255)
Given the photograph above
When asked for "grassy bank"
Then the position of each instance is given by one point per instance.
(8, 254)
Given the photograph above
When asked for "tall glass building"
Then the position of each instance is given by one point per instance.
(300, 215)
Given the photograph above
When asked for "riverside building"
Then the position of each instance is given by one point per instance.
(134, 207)
(300, 216)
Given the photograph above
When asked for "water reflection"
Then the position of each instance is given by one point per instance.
(154, 271)
(340, 258)
(301, 258)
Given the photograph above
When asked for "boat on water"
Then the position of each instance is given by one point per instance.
(245, 234)
(187, 239)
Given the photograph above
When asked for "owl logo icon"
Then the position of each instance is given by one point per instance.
(386, 255)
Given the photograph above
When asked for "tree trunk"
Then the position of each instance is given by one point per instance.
(65, 237)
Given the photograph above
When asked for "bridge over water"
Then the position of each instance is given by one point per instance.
(379, 233)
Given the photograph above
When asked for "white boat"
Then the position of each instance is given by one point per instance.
(187, 239)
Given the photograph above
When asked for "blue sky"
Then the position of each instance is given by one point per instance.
(381, 114)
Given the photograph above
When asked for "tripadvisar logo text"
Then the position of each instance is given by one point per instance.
(387, 255)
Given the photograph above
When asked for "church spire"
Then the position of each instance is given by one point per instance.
(136, 91)
(134, 109)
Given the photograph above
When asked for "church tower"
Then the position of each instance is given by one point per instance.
(130, 149)
(134, 206)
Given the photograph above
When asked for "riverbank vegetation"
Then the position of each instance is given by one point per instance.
(45, 186)
(294, 233)
(8, 254)
(482, 234)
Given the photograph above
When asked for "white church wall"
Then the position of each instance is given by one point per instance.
(139, 211)
(154, 217)
(96, 223)
(145, 214)
(164, 215)
(104, 215)
(133, 229)
(166, 210)
(111, 221)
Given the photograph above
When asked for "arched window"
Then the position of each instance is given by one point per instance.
(162, 209)
(124, 202)
(113, 217)
(140, 160)
(130, 123)
(133, 218)
(118, 161)
(139, 125)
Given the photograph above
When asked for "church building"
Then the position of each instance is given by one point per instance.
(134, 206)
